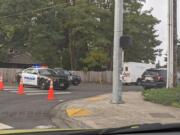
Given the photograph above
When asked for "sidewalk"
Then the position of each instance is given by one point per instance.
(98, 112)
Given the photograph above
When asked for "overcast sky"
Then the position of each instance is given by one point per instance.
(161, 12)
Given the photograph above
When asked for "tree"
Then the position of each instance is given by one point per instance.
(75, 34)
(84, 30)
(96, 60)
(140, 26)
(33, 27)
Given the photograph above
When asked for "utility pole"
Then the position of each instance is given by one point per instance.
(117, 53)
(175, 42)
(172, 44)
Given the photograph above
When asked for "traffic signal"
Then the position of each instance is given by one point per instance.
(125, 42)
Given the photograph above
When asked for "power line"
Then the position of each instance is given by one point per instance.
(32, 11)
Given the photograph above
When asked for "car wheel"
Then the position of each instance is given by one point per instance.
(138, 82)
(42, 86)
(18, 79)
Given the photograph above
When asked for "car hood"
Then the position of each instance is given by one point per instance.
(138, 129)
(76, 76)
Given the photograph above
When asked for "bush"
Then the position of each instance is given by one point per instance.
(163, 96)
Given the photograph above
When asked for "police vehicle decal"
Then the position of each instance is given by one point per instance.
(29, 78)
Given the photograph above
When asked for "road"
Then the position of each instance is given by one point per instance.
(32, 109)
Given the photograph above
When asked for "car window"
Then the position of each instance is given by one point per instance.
(151, 72)
(33, 71)
(46, 72)
(59, 72)
(28, 71)
(126, 68)
(66, 72)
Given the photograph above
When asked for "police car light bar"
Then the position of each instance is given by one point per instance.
(36, 66)
(39, 66)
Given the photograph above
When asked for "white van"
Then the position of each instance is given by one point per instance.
(132, 72)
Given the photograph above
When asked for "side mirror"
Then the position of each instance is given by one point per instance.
(125, 42)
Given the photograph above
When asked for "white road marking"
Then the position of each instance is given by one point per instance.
(4, 126)
(30, 91)
(37, 92)
(56, 93)
(10, 89)
(45, 126)
(24, 89)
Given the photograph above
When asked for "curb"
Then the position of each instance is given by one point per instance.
(62, 120)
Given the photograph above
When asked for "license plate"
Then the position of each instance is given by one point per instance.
(149, 78)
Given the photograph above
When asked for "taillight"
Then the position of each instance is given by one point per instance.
(159, 78)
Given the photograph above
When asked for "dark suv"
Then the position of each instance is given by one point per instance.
(154, 78)
(73, 79)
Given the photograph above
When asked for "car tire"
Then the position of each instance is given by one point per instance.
(138, 82)
(18, 79)
(42, 86)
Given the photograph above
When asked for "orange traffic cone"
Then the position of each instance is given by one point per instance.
(21, 87)
(51, 91)
(1, 83)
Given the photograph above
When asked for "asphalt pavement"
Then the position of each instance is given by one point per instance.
(32, 109)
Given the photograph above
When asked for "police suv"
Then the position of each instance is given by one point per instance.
(40, 77)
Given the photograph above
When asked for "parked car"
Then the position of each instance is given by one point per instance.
(154, 78)
(73, 79)
(40, 77)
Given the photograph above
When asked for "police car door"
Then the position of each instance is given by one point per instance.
(30, 77)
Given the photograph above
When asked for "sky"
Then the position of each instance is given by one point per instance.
(160, 11)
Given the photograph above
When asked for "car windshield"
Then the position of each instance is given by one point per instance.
(89, 63)
(47, 72)
(67, 72)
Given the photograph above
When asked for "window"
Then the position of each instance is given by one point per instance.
(59, 72)
(126, 68)
(29, 71)
(33, 71)
(66, 72)
(46, 72)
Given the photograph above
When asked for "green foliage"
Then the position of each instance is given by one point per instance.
(163, 96)
(140, 26)
(75, 35)
(96, 60)
(3, 53)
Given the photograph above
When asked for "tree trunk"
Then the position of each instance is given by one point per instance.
(70, 50)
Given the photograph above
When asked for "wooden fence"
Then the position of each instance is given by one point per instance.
(91, 76)
(9, 74)
(97, 77)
